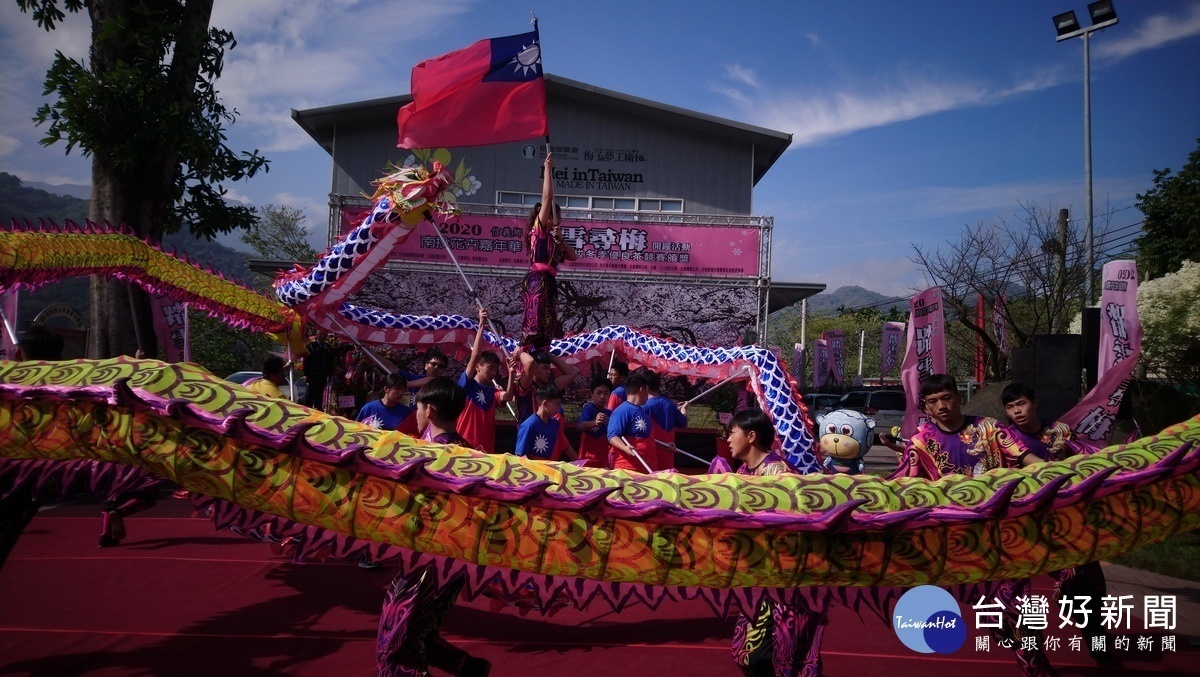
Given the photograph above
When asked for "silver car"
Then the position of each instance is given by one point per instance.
(885, 406)
(242, 377)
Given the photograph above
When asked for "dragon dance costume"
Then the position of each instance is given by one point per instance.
(539, 289)
(779, 639)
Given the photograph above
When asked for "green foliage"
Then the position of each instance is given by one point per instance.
(1172, 227)
(1170, 316)
(145, 109)
(222, 349)
(279, 234)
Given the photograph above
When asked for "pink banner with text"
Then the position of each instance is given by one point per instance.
(836, 338)
(926, 352)
(614, 246)
(820, 363)
(889, 347)
(1120, 346)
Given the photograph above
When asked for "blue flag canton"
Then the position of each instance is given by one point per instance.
(515, 58)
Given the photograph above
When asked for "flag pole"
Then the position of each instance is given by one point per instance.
(637, 455)
(741, 372)
(358, 343)
(677, 450)
(466, 281)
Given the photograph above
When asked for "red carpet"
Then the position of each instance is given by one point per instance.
(178, 598)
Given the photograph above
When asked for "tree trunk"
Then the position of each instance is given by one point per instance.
(137, 193)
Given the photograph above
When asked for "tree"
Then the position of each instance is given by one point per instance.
(1172, 226)
(145, 110)
(279, 233)
(1170, 318)
(1037, 267)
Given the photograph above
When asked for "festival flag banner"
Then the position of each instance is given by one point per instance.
(889, 347)
(1120, 346)
(800, 365)
(820, 363)
(1000, 325)
(926, 352)
(171, 328)
(8, 340)
(691, 250)
(491, 92)
(836, 339)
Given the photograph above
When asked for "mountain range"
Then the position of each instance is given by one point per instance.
(22, 200)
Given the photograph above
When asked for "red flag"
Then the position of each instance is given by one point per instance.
(490, 92)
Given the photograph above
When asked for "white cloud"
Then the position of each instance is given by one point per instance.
(1155, 32)
(289, 58)
(739, 73)
(813, 39)
(813, 117)
(8, 144)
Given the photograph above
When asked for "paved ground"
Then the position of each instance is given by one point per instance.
(177, 598)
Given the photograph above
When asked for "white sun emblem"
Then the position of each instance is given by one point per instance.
(528, 59)
(639, 424)
(540, 444)
(481, 398)
(373, 421)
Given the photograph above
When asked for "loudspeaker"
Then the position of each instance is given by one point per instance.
(1056, 373)
(1091, 346)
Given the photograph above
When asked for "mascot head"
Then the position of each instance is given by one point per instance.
(845, 435)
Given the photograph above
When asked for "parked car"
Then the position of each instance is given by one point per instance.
(819, 403)
(243, 377)
(885, 406)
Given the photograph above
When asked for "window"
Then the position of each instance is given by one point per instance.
(582, 202)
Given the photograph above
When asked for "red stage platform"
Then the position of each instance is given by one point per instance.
(178, 598)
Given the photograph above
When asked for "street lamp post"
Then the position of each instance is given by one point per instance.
(1103, 15)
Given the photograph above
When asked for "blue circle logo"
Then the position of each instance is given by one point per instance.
(928, 619)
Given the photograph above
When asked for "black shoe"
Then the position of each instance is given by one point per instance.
(365, 563)
(107, 541)
(474, 667)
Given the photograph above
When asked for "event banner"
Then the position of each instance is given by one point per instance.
(1120, 345)
(634, 247)
(889, 347)
(171, 328)
(800, 365)
(820, 352)
(926, 352)
(1000, 325)
(8, 333)
(836, 339)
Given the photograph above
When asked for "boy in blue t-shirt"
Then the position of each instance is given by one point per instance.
(392, 409)
(538, 437)
(593, 425)
(630, 429)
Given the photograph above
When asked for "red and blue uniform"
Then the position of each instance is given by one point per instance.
(665, 417)
(381, 416)
(631, 422)
(593, 444)
(538, 439)
(477, 422)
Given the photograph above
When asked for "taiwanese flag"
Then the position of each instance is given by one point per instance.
(490, 92)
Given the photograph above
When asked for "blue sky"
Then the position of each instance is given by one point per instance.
(910, 120)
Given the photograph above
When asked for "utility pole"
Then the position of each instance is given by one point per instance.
(1060, 273)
